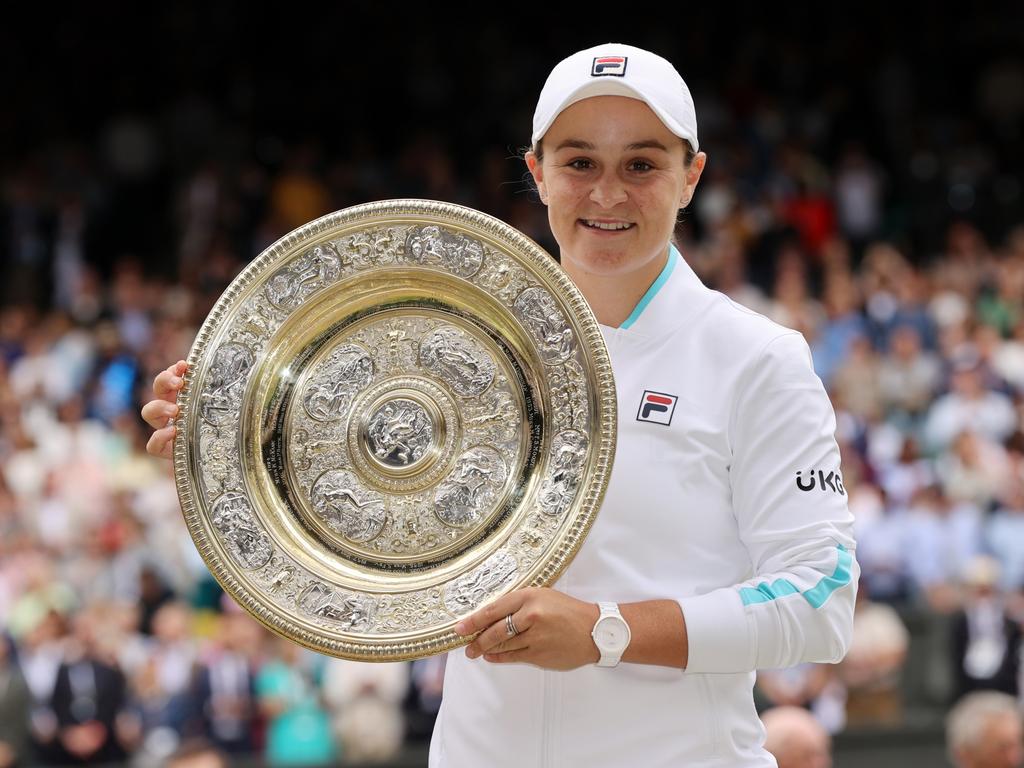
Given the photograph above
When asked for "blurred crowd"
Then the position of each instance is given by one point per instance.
(906, 278)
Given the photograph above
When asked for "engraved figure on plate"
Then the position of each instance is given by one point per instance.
(468, 591)
(328, 396)
(346, 507)
(459, 359)
(400, 432)
(352, 612)
(546, 323)
(466, 495)
(225, 382)
(568, 454)
(289, 286)
(248, 544)
(378, 246)
(434, 246)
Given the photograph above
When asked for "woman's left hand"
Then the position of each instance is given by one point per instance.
(553, 629)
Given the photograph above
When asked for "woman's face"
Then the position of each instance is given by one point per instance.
(609, 160)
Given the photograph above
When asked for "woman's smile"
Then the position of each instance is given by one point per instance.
(606, 227)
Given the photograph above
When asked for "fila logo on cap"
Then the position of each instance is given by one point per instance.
(608, 65)
(656, 407)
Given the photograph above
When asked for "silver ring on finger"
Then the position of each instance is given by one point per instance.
(510, 626)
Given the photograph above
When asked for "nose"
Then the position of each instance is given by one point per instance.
(608, 190)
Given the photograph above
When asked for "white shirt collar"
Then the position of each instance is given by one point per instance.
(674, 295)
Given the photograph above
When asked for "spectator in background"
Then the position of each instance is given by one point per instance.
(796, 739)
(298, 726)
(163, 680)
(1008, 358)
(941, 538)
(845, 324)
(909, 473)
(427, 687)
(1001, 308)
(857, 381)
(859, 189)
(896, 296)
(985, 642)
(89, 698)
(880, 548)
(792, 305)
(984, 731)
(365, 702)
(1004, 536)
(974, 470)
(873, 666)
(909, 377)
(15, 706)
(225, 686)
(730, 275)
(197, 753)
(809, 686)
(969, 405)
(153, 595)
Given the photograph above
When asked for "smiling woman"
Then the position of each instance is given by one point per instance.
(709, 558)
(613, 182)
(719, 408)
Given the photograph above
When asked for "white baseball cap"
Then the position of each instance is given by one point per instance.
(614, 69)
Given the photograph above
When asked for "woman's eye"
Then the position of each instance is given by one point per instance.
(640, 165)
(579, 163)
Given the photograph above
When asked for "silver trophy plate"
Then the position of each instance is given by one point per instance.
(396, 413)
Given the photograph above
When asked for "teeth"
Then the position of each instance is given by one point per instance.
(601, 225)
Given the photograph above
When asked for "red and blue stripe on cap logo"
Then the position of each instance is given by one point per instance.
(657, 407)
(605, 66)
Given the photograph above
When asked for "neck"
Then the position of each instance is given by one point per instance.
(614, 297)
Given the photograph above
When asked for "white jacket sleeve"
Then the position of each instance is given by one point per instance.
(793, 518)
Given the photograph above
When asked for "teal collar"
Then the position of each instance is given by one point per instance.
(666, 272)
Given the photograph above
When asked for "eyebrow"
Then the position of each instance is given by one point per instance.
(580, 144)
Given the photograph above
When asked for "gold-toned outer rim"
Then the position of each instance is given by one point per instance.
(539, 262)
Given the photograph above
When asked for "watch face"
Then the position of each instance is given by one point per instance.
(611, 634)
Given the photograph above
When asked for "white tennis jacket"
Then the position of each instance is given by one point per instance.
(725, 495)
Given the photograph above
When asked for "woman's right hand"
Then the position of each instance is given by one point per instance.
(161, 412)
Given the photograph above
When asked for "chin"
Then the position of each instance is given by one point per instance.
(603, 265)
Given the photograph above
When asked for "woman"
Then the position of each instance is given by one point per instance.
(724, 541)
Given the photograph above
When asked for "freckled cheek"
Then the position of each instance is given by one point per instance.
(656, 208)
(567, 204)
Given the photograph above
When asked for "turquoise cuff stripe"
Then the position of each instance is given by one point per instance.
(666, 271)
(816, 595)
(764, 593)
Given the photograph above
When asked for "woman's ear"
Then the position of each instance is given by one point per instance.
(692, 177)
(537, 171)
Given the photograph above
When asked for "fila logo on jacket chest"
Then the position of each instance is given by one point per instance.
(656, 407)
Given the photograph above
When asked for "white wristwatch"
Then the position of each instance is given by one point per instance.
(611, 634)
